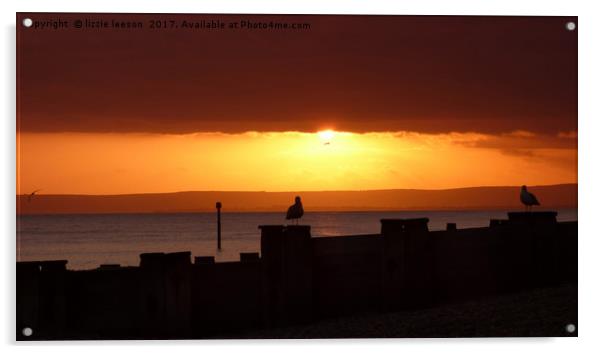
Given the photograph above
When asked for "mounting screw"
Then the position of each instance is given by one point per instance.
(571, 26)
(27, 331)
(570, 328)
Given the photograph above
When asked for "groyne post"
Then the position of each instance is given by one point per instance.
(152, 294)
(286, 256)
(54, 306)
(407, 265)
(540, 237)
(41, 299)
(298, 273)
(178, 288)
(28, 297)
(272, 241)
(166, 294)
(218, 206)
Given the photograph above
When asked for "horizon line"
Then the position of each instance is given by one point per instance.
(303, 191)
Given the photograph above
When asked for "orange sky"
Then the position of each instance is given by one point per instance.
(95, 163)
(426, 102)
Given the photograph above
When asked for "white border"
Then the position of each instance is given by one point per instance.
(590, 151)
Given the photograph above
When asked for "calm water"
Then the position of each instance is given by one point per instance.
(90, 240)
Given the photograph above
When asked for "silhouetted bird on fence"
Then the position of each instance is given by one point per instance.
(528, 199)
(295, 211)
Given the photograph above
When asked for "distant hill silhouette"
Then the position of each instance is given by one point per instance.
(553, 196)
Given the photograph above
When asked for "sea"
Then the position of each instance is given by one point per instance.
(89, 240)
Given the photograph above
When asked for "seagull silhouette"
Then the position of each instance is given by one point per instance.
(528, 199)
(295, 211)
(32, 194)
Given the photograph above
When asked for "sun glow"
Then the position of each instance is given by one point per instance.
(113, 163)
(326, 135)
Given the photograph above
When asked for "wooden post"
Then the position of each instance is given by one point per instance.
(218, 206)
(407, 263)
(286, 258)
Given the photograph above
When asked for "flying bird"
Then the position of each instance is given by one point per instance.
(32, 194)
(295, 211)
(528, 199)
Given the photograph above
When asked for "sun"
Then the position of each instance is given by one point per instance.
(326, 135)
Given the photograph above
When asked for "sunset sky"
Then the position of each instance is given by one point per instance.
(352, 103)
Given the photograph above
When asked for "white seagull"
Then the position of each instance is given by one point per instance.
(295, 211)
(528, 199)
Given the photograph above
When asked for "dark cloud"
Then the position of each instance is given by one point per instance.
(355, 73)
(523, 140)
(523, 143)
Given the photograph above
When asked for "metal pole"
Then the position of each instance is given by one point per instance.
(218, 206)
